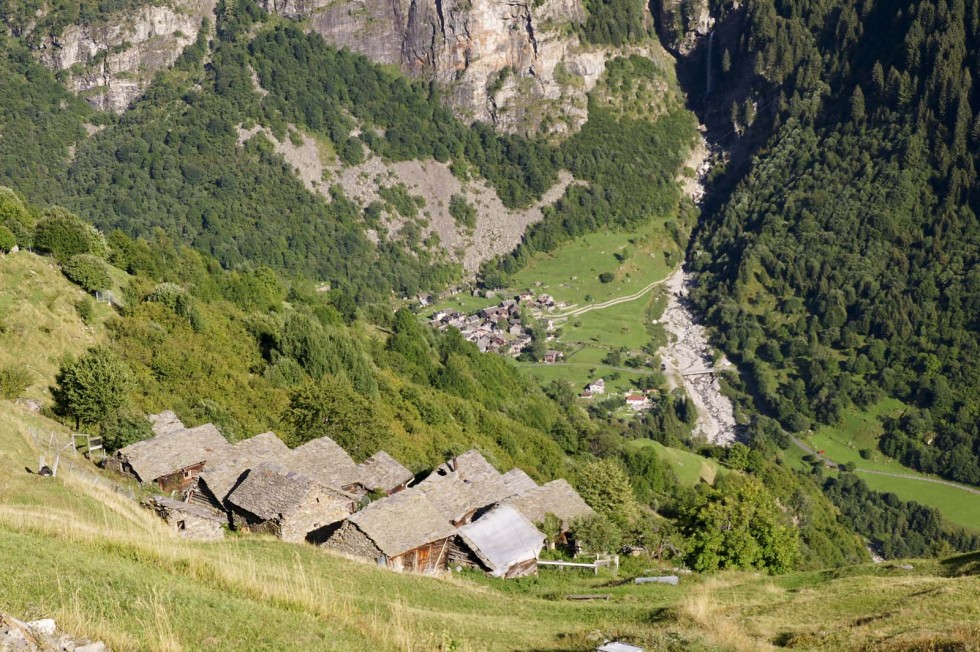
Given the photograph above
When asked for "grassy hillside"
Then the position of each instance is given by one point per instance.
(39, 324)
(105, 568)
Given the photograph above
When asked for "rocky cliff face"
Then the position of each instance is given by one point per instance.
(511, 62)
(111, 63)
(682, 24)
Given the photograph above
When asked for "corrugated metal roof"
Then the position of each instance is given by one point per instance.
(502, 538)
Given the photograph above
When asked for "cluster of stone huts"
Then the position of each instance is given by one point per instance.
(498, 328)
(464, 514)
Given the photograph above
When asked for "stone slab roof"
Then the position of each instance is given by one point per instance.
(557, 497)
(175, 450)
(382, 472)
(402, 522)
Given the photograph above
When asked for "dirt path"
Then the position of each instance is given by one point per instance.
(609, 303)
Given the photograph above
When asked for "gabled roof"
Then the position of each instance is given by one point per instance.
(165, 422)
(463, 484)
(382, 472)
(170, 452)
(502, 538)
(269, 491)
(557, 497)
(221, 477)
(324, 461)
(517, 482)
(402, 522)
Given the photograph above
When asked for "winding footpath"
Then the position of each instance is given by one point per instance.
(610, 303)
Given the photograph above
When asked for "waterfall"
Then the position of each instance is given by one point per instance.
(708, 64)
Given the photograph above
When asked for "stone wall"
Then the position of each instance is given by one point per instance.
(317, 512)
(349, 540)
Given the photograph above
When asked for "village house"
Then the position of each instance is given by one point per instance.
(552, 356)
(403, 532)
(462, 486)
(172, 460)
(287, 504)
(637, 402)
(557, 498)
(189, 521)
(220, 477)
(383, 473)
(501, 542)
(597, 386)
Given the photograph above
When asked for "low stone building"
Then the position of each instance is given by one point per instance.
(325, 461)
(219, 478)
(172, 460)
(166, 422)
(403, 531)
(383, 473)
(518, 482)
(502, 542)
(289, 505)
(557, 497)
(188, 520)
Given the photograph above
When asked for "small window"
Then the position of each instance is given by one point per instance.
(181, 525)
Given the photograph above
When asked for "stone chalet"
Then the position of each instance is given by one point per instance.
(173, 459)
(289, 505)
(188, 520)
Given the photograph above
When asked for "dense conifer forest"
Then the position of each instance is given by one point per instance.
(843, 266)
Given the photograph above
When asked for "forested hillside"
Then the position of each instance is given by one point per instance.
(844, 264)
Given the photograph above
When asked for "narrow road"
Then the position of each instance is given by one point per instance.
(902, 476)
(610, 303)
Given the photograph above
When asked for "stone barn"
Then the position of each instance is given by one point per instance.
(501, 542)
(518, 482)
(188, 520)
(218, 480)
(403, 531)
(557, 497)
(325, 461)
(383, 473)
(172, 460)
(289, 505)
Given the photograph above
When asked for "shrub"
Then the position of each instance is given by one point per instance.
(7, 239)
(88, 272)
(462, 212)
(865, 453)
(63, 235)
(14, 380)
(173, 296)
(15, 217)
(607, 277)
(124, 427)
(86, 309)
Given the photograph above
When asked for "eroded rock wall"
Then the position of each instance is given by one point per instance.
(515, 63)
(110, 64)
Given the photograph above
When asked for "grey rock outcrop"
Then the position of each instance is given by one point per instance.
(111, 63)
(40, 636)
(682, 24)
(514, 63)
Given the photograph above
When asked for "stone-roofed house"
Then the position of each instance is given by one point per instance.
(292, 506)
(325, 461)
(557, 497)
(383, 473)
(172, 460)
(517, 482)
(463, 486)
(218, 479)
(188, 520)
(403, 531)
(502, 542)
(165, 423)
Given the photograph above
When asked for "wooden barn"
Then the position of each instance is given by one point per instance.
(172, 460)
(289, 505)
(218, 479)
(403, 531)
(501, 542)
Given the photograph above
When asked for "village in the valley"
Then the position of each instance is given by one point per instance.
(505, 329)
(464, 514)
